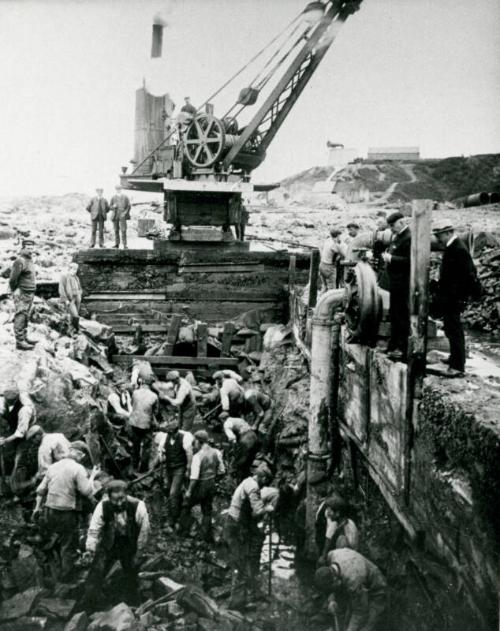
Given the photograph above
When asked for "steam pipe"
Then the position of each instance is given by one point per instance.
(325, 327)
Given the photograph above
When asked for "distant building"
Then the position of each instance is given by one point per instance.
(394, 153)
(340, 156)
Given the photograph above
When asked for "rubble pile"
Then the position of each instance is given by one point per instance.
(484, 315)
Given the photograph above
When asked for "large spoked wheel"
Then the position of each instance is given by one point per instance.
(363, 307)
(204, 140)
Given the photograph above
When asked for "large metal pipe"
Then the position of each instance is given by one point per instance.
(477, 199)
(324, 329)
(494, 198)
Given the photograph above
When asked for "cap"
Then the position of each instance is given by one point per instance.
(118, 186)
(263, 469)
(444, 227)
(201, 435)
(218, 375)
(323, 579)
(27, 242)
(394, 217)
(99, 189)
(115, 486)
(172, 375)
(335, 502)
(11, 392)
(352, 224)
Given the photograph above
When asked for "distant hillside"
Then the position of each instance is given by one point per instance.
(441, 180)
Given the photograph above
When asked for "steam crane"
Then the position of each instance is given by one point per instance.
(204, 162)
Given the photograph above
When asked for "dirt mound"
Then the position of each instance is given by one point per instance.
(442, 180)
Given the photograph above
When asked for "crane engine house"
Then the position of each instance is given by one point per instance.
(204, 161)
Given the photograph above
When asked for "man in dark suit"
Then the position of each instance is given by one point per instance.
(98, 208)
(397, 260)
(456, 279)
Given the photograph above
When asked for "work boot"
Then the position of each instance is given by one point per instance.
(75, 323)
(23, 346)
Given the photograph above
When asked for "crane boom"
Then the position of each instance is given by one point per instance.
(271, 115)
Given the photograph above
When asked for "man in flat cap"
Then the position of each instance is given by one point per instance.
(457, 282)
(98, 208)
(22, 284)
(184, 400)
(120, 214)
(188, 107)
(397, 260)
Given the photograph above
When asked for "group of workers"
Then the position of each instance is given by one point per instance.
(388, 248)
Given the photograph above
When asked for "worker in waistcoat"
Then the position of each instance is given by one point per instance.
(206, 467)
(70, 294)
(98, 208)
(118, 531)
(22, 284)
(119, 404)
(246, 444)
(183, 401)
(243, 536)
(177, 454)
(120, 214)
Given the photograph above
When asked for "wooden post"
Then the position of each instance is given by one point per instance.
(173, 332)
(313, 278)
(202, 335)
(417, 342)
(291, 273)
(227, 338)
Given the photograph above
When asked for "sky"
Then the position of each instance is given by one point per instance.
(401, 72)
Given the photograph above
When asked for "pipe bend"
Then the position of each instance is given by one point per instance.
(329, 302)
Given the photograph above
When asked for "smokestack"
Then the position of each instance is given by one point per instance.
(157, 41)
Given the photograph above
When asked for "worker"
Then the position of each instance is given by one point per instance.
(53, 447)
(18, 411)
(70, 295)
(120, 214)
(119, 531)
(232, 396)
(142, 420)
(241, 221)
(258, 407)
(330, 254)
(457, 282)
(141, 369)
(60, 492)
(119, 403)
(22, 282)
(232, 374)
(206, 466)
(98, 208)
(188, 107)
(245, 442)
(356, 589)
(242, 535)
(177, 453)
(334, 529)
(397, 260)
(183, 400)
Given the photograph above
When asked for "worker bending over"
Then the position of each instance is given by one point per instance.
(206, 467)
(356, 588)
(243, 536)
(177, 453)
(118, 531)
(232, 396)
(258, 407)
(60, 493)
(245, 442)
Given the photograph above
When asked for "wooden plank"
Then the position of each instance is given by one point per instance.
(172, 360)
(313, 278)
(417, 342)
(226, 269)
(227, 338)
(121, 295)
(173, 332)
(202, 339)
(125, 329)
(201, 292)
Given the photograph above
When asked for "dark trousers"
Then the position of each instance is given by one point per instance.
(244, 543)
(187, 417)
(399, 314)
(23, 302)
(203, 496)
(174, 487)
(120, 227)
(97, 224)
(141, 443)
(64, 523)
(123, 552)
(245, 452)
(454, 331)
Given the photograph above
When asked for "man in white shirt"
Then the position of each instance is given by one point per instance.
(118, 531)
(330, 254)
(232, 395)
(145, 409)
(183, 400)
(246, 444)
(119, 403)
